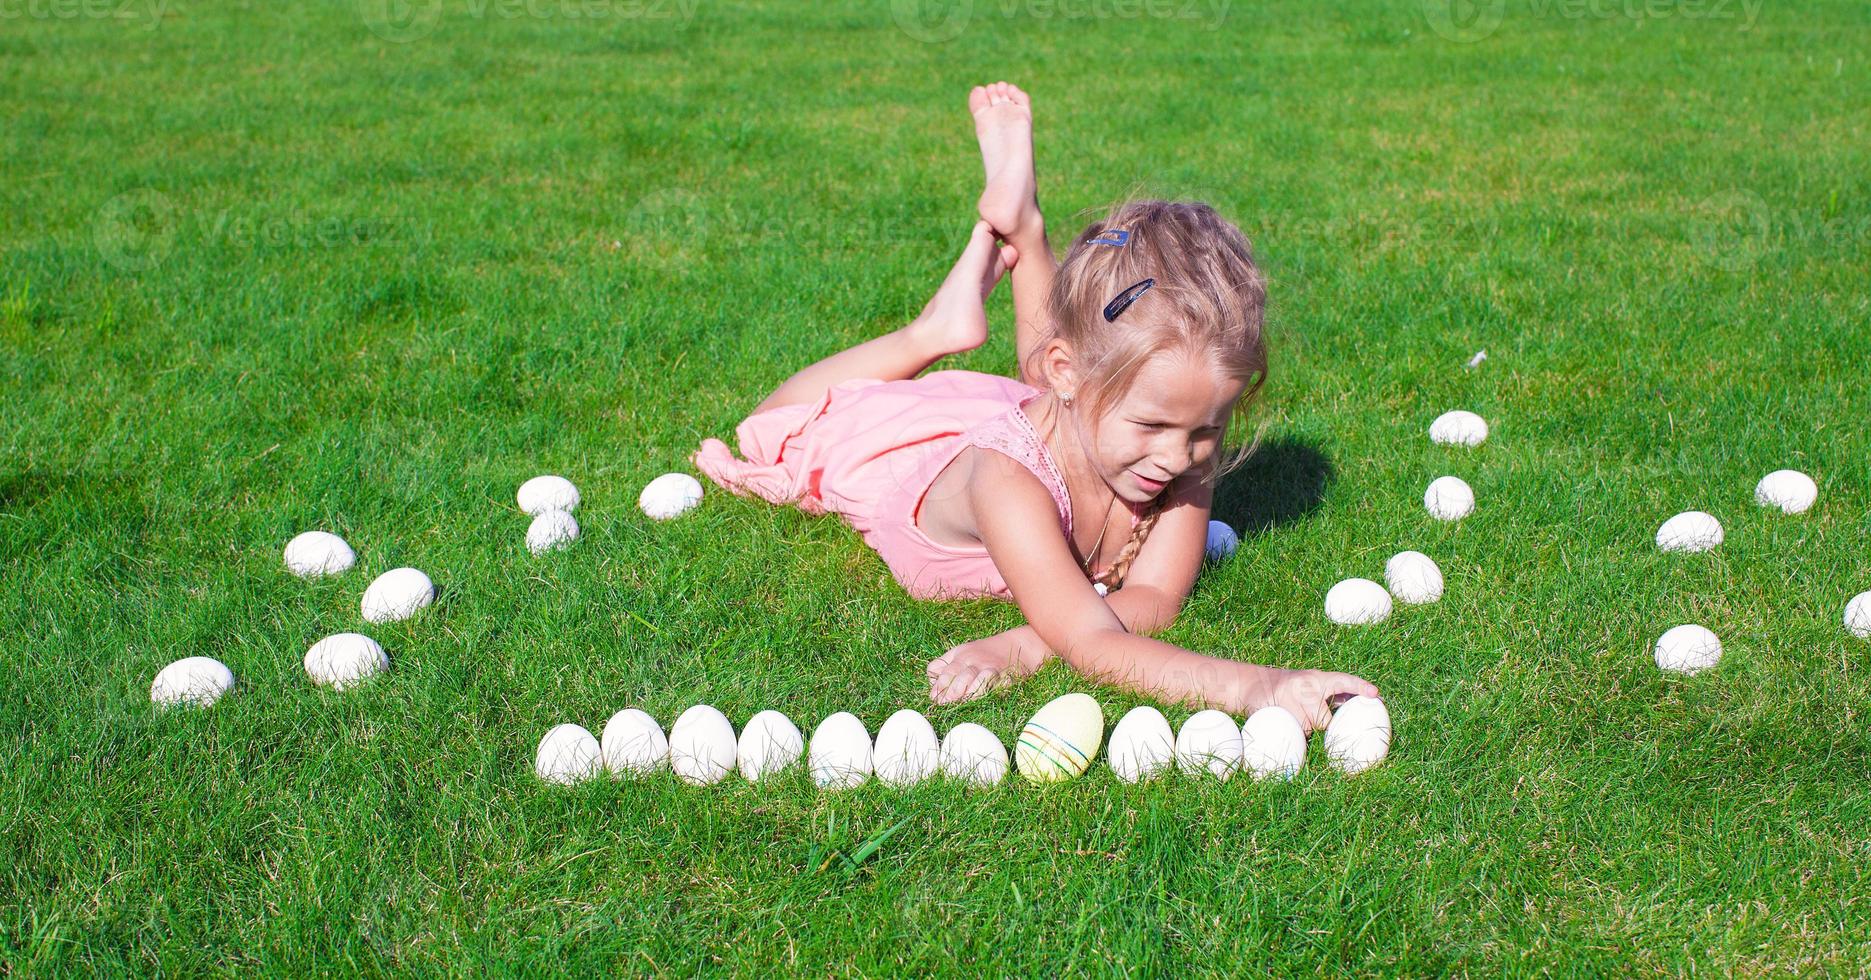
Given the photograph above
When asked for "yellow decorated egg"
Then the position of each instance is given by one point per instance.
(1061, 740)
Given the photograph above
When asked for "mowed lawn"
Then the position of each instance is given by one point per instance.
(273, 267)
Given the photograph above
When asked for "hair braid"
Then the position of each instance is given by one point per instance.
(1113, 577)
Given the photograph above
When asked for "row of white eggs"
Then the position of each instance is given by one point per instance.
(340, 661)
(396, 594)
(1060, 742)
(1692, 648)
(1789, 491)
(1411, 576)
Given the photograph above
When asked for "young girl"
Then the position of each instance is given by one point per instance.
(1081, 491)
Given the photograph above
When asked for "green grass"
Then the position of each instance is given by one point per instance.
(264, 270)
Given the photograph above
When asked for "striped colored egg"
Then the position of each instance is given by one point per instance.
(1061, 740)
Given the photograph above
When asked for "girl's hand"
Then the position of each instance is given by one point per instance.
(979, 666)
(1312, 694)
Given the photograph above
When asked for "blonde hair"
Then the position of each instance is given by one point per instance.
(1208, 304)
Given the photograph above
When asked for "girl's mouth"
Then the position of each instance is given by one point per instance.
(1148, 485)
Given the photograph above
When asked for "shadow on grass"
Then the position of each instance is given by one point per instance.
(1282, 482)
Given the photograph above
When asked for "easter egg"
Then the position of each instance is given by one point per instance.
(1142, 745)
(670, 495)
(701, 746)
(1449, 498)
(633, 743)
(1273, 744)
(1358, 736)
(551, 531)
(344, 659)
(1458, 428)
(1691, 530)
(1688, 649)
(316, 553)
(1210, 742)
(840, 753)
(1858, 615)
(1413, 578)
(973, 755)
(397, 594)
(193, 681)
(907, 751)
(1221, 542)
(566, 755)
(544, 493)
(1791, 491)
(769, 744)
(1356, 602)
(1061, 740)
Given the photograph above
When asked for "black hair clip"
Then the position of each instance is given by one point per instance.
(1113, 237)
(1125, 298)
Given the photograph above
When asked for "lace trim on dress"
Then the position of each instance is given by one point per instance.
(1012, 434)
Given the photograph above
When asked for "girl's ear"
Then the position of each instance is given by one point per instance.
(1057, 367)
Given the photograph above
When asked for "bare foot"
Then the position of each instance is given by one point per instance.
(979, 666)
(955, 318)
(1003, 122)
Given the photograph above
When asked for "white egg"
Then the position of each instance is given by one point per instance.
(551, 530)
(1358, 736)
(907, 751)
(1858, 615)
(1209, 742)
(397, 594)
(1458, 428)
(566, 755)
(1790, 490)
(1688, 649)
(1690, 531)
(316, 553)
(1061, 739)
(633, 743)
(1142, 745)
(1273, 743)
(702, 746)
(544, 493)
(769, 744)
(344, 659)
(670, 495)
(1357, 601)
(1449, 499)
(973, 755)
(194, 681)
(1413, 578)
(1221, 542)
(840, 753)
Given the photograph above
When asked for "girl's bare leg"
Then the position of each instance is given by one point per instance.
(1003, 123)
(954, 320)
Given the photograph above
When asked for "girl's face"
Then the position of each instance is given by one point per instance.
(1170, 421)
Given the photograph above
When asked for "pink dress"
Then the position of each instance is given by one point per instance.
(869, 450)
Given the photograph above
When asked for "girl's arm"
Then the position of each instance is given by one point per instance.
(1072, 619)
